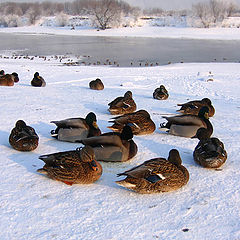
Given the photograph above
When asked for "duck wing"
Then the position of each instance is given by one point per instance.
(71, 123)
(185, 120)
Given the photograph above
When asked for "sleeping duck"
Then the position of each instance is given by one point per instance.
(73, 129)
(9, 79)
(23, 137)
(96, 84)
(160, 93)
(156, 175)
(187, 125)
(122, 105)
(72, 167)
(140, 122)
(209, 152)
(112, 146)
(193, 107)
(38, 81)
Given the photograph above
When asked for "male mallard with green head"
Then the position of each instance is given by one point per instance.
(72, 129)
(38, 81)
(187, 125)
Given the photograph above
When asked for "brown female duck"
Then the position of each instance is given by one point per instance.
(122, 105)
(73, 129)
(156, 175)
(209, 152)
(140, 122)
(187, 125)
(96, 84)
(72, 167)
(193, 107)
(23, 137)
(160, 93)
(9, 79)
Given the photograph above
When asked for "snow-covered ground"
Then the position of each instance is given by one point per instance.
(35, 207)
(144, 31)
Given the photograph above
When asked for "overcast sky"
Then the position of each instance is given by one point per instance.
(165, 4)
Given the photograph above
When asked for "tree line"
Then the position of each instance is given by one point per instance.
(108, 13)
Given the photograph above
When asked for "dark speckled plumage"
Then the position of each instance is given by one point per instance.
(72, 167)
(160, 93)
(96, 84)
(140, 122)
(193, 107)
(156, 175)
(122, 105)
(23, 137)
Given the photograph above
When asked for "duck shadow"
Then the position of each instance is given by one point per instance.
(97, 107)
(4, 136)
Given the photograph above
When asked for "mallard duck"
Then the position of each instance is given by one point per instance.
(160, 93)
(72, 167)
(187, 125)
(2, 73)
(140, 122)
(73, 129)
(122, 105)
(209, 152)
(9, 79)
(96, 84)
(156, 175)
(38, 81)
(193, 107)
(112, 146)
(23, 137)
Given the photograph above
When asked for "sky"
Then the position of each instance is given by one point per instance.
(167, 5)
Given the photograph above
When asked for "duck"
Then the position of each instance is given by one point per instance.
(140, 123)
(209, 152)
(160, 93)
(96, 84)
(113, 146)
(72, 129)
(194, 106)
(122, 105)
(2, 72)
(72, 167)
(9, 79)
(187, 125)
(38, 81)
(23, 137)
(156, 175)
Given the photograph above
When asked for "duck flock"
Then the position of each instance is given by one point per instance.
(82, 166)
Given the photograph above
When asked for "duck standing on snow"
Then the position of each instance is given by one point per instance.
(38, 81)
(73, 129)
(112, 146)
(8, 79)
(193, 107)
(122, 105)
(140, 122)
(72, 167)
(23, 137)
(187, 125)
(160, 93)
(209, 152)
(96, 84)
(156, 175)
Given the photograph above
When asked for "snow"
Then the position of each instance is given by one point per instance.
(35, 207)
(143, 31)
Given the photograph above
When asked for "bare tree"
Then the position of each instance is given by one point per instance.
(106, 13)
(201, 10)
(33, 13)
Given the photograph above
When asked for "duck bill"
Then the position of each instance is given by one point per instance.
(93, 165)
(95, 124)
(206, 115)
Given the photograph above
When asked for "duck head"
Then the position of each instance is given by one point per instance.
(126, 133)
(128, 94)
(202, 134)
(91, 120)
(15, 75)
(204, 112)
(206, 101)
(20, 124)
(174, 157)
